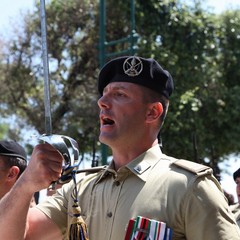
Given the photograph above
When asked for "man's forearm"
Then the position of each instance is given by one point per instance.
(45, 166)
(13, 212)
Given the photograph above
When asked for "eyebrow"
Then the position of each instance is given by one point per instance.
(119, 87)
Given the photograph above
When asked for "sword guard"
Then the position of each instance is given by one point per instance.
(67, 146)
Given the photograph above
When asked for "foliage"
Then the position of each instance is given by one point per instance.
(200, 49)
(188, 43)
(73, 69)
(3, 130)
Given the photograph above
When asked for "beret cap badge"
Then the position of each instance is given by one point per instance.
(132, 66)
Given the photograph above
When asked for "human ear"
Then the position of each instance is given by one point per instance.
(13, 173)
(154, 112)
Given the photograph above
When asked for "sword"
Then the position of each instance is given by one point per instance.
(47, 105)
(67, 146)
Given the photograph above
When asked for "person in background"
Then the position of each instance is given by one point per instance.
(229, 197)
(13, 161)
(140, 183)
(236, 207)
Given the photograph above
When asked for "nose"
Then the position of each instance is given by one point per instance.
(103, 102)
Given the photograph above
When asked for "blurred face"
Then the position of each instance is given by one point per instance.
(8, 176)
(3, 177)
(122, 114)
(238, 188)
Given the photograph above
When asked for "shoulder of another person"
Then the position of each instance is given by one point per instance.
(196, 168)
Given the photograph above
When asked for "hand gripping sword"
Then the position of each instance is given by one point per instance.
(67, 146)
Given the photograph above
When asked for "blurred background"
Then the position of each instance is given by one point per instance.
(197, 41)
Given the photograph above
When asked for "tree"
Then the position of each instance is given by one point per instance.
(187, 42)
(73, 69)
(200, 49)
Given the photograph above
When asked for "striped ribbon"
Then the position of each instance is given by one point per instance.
(142, 228)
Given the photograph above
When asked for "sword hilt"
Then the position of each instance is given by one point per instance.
(67, 146)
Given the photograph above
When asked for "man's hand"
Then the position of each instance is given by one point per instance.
(45, 167)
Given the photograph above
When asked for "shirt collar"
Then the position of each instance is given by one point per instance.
(140, 166)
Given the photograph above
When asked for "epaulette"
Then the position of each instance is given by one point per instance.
(193, 167)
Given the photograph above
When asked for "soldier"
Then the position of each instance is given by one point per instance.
(140, 181)
(13, 161)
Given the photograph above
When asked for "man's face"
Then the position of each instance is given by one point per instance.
(238, 188)
(8, 175)
(122, 114)
(3, 176)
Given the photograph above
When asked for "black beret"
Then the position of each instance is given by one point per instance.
(143, 71)
(236, 174)
(13, 149)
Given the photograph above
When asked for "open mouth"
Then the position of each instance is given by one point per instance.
(107, 121)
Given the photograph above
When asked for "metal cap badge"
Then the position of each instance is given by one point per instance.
(132, 66)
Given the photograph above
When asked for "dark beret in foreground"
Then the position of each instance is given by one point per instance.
(138, 70)
(236, 174)
(12, 149)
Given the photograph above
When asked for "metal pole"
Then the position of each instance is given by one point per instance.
(102, 55)
(132, 27)
(102, 33)
(48, 119)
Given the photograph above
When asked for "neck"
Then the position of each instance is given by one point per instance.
(122, 157)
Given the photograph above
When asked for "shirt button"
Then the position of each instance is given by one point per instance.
(109, 214)
(117, 183)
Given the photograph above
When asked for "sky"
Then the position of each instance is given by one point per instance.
(12, 9)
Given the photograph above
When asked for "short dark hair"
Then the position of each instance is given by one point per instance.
(15, 161)
(151, 96)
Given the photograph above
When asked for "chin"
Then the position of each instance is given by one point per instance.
(103, 139)
(107, 139)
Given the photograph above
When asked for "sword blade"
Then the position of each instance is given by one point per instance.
(47, 105)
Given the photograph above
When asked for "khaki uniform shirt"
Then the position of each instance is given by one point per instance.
(155, 186)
